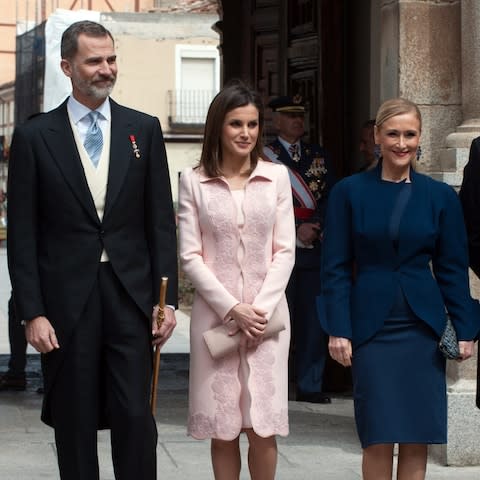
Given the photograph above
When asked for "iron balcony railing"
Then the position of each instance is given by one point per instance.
(187, 109)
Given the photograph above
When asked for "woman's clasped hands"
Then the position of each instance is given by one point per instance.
(250, 320)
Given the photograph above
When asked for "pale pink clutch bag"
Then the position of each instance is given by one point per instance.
(220, 343)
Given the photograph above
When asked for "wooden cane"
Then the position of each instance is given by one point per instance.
(156, 361)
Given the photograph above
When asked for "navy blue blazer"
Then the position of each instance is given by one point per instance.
(430, 263)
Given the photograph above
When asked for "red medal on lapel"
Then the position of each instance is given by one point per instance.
(136, 150)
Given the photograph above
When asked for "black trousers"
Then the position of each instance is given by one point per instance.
(311, 342)
(106, 375)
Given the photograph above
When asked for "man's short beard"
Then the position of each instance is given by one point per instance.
(89, 86)
(99, 93)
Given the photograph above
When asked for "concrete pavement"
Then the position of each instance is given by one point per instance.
(322, 443)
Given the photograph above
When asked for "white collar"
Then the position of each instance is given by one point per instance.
(286, 145)
(78, 110)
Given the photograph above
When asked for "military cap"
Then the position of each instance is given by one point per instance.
(287, 104)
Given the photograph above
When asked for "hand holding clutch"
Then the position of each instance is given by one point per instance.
(448, 344)
(221, 343)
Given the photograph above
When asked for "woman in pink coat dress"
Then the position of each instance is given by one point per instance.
(237, 244)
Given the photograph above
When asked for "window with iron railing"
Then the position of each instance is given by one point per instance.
(187, 109)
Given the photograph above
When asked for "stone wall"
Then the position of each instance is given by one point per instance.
(421, 62)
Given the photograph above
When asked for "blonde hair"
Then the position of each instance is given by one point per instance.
(397, 106)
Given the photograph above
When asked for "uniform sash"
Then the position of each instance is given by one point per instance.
(300, 189)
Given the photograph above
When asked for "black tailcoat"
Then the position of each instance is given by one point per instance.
(55, 238)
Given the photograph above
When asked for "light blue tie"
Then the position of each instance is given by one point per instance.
(94, 139)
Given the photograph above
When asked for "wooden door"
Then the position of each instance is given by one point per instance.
(284, 47)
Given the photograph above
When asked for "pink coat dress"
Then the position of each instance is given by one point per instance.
(210, 242)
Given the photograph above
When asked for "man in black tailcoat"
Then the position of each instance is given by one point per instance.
(90, 234)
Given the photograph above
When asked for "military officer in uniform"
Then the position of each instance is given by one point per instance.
(311, 178)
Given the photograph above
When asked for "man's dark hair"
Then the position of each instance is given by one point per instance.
(69, 45)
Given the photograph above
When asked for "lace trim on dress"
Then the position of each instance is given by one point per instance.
(226, 423)
(223, 225)
(266, 420)
(260, 221)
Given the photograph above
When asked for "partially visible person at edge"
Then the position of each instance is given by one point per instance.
(14, 379)
(470, 199)
(3, 208)
(392, 223)
(311, 177)
(367, 145)
(237, 244)
(91, 230)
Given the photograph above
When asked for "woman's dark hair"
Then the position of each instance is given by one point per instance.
(233, 95)
(69, 43)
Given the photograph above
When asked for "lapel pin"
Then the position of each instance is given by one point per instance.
(136, 150)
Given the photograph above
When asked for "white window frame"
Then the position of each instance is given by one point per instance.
(195, 51)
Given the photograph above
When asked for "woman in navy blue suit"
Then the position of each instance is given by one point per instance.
(394, 259)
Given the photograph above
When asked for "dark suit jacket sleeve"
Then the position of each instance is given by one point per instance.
(450, 266)
(161, 227)
(22, 226)
(470, 198)
(337, 259)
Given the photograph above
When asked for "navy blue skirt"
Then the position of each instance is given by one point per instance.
(399, 385)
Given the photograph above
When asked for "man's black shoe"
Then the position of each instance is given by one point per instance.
(313, 397)
(12, 382)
